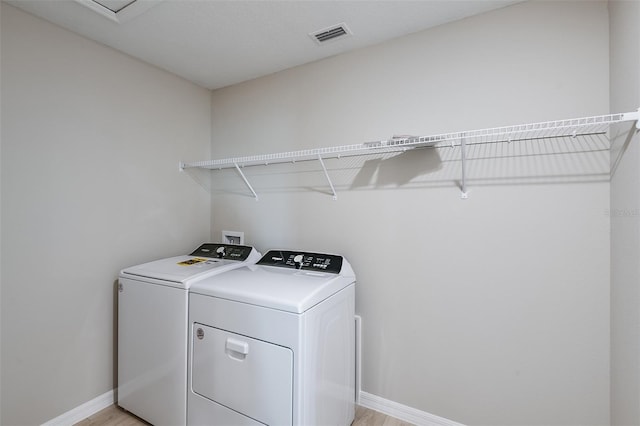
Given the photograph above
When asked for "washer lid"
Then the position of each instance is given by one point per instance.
(184, 270)
(283, 288)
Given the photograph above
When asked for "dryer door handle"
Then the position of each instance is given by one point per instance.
(236, 347)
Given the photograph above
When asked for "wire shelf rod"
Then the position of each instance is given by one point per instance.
(548, 129)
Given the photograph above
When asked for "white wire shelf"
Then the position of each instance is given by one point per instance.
(543, 130)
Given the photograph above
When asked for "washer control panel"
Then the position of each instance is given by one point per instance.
(223, 251)
(319, 262)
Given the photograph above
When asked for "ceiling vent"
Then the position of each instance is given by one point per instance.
(331, 33)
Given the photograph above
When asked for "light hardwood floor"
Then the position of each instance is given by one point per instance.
(116, 416)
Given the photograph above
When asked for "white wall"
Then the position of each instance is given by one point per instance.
(625, 218)
(91, 141)
(492, 310)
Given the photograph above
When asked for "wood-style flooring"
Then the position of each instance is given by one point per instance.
(116, 416)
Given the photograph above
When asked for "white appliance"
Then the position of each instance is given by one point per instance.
(153, 329)
(274, 343)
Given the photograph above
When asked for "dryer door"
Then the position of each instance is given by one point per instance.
(252, 377)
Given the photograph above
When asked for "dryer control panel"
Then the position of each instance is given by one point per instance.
(303, 260)
(223, 251)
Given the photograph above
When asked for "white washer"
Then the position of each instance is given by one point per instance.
(153, 329)
(274, 343)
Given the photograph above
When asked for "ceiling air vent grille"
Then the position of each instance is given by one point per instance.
(331, 33)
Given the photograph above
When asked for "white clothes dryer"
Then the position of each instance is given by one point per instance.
(274, 343)
(153, 329)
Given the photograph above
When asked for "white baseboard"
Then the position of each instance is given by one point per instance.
(367, 400)
(402, 412)
(82, 411)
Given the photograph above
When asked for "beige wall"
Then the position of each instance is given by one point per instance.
(625, 220)
(492, 310)
(91, 141)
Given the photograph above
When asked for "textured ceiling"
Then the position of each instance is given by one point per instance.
(217, 43)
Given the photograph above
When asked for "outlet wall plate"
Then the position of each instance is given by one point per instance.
(233, 237)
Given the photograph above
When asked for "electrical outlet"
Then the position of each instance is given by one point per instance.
(233, 237)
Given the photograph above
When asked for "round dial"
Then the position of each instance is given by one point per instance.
(220, 251)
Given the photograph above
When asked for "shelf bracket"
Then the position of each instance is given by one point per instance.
(326, 174)
(463, 161)
(632, 116)
(244, 178)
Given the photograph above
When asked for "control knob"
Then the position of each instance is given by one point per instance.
(298, 261)
(220, 251)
